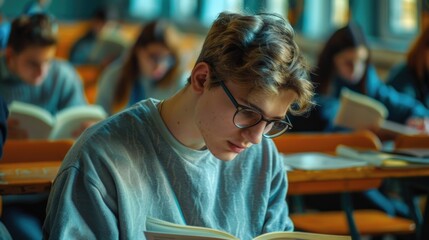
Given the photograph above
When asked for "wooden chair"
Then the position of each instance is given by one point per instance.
(21, 151)
(68, 34)
(412, 141)
(89, 75)
(349, 221)
(15, 151)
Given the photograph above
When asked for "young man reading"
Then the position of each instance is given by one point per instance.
(202, 157)
(29, 73)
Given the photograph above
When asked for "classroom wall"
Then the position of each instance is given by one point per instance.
(64, 10)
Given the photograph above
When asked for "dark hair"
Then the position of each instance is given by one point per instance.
(416, 57)
(38, 30)
(153, 32)
(348, 37)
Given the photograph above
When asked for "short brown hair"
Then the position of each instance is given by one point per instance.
(36, 30)
(258, 51)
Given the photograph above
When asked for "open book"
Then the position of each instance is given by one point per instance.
(319, 161)
(40, 124)
(380, 158)
(358, 111)
(157, 229)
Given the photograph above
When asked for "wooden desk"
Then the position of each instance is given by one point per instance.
(348, 179)
(27, 177)
(38, 176)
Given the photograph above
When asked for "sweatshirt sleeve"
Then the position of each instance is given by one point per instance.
(277, 214)
(78, 212)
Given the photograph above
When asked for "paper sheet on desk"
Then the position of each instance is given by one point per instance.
(381, 159)
(318, 161)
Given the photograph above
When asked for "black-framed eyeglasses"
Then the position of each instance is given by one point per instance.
(246, 117)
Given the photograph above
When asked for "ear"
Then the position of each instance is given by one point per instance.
(200, 77)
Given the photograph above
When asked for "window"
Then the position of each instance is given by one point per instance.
(278, 6)
(340, 13)
(147, 9)
(403, 16)
(211, 9)
(184, 9)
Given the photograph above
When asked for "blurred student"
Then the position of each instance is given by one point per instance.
(412, 76)
(29, 72)
(345, 62)
(4, 233)
(96, 46)
(202, 157)
(151, 70)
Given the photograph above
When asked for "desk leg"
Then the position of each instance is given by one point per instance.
(425, 225)
(416, 215)
(346, 201)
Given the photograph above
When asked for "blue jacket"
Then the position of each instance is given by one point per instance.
(404, 80)
(400, 106)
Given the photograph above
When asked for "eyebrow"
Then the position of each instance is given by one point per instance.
(262, 111)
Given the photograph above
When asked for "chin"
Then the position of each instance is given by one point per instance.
(229, 156)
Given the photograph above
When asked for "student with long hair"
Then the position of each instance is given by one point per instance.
(345, 62)
(30, 73)
(151, 70)
(412, 76)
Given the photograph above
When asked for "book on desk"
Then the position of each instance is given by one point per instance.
(157, 229)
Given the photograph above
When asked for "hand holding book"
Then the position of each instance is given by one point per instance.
(358, 111)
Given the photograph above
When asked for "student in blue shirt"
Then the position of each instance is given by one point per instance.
(412, 76)
(29, 73)
(4, 233)
(201, 157)
(98, 46)
(345, 62)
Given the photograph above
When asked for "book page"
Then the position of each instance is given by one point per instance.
(300, 236)
(398, 128)
(71, 119)
(358, 111)
(155, 226)
(164, 236)
(162, 230)
(37, 121)
(411, 152)
(319, 161)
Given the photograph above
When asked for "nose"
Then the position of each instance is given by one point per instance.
(254, 134)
